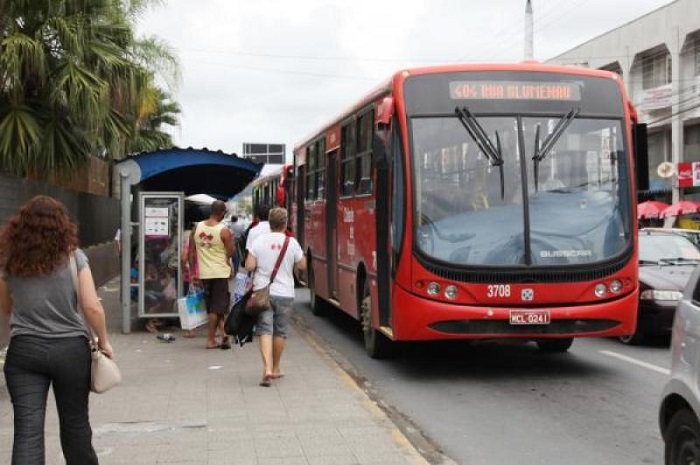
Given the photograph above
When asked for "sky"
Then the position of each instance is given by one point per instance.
(275, 71)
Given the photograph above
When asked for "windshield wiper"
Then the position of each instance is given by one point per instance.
(494, 154)
(678, 260)
(548, 143)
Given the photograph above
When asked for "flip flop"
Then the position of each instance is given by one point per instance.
(266, 381)
(225, 345)
(215, 346)
(277, 375)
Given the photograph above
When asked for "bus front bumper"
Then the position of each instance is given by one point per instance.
(417, 318)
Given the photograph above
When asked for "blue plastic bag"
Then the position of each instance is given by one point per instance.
(192, 310)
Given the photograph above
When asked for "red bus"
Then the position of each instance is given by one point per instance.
(274, 189)
(491, 201)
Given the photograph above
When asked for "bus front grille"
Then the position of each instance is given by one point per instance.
(539, 275)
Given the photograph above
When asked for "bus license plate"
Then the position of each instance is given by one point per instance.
(529, 317)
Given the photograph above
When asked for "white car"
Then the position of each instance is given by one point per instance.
(680, 404)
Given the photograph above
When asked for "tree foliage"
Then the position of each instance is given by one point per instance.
(76, 82)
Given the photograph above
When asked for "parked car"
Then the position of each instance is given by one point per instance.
(680, 402)
(693, 235)
(666, 261)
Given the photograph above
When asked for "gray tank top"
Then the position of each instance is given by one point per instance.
(47, 305)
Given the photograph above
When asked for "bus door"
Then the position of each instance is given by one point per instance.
(300, 187)
(382, 160)
(288, 189)
(332, 223)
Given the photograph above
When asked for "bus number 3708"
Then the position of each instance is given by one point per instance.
(498, 290)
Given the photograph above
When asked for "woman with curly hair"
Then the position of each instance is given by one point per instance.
(49, 342)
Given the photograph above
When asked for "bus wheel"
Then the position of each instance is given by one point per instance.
(555, 345)
(316, 304)
(377, 345)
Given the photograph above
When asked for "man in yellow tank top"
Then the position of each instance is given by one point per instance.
(214, 247)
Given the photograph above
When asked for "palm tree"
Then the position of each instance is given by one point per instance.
(73, 82)
(155, 112)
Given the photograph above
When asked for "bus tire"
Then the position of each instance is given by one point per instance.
(555, 346)
(317, 305)
(377, 345)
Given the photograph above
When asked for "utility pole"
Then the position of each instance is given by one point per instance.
(529, 31)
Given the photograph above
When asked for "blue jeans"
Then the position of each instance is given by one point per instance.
(32, 364)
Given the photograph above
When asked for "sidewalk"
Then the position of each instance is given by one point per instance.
(180, 403)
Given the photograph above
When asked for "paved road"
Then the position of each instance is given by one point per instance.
(496, 404)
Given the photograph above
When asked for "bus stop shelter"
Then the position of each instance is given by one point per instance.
(158, 177)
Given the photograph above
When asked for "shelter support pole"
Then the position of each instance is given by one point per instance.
(126, 252)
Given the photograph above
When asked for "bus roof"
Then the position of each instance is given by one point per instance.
(399, 76)
(274, 173)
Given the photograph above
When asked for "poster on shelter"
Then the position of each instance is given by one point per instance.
(157, 223)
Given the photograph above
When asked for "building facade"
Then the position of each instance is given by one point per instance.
(658, 57)
(265, 153)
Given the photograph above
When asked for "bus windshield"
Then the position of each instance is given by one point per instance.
(559, 197)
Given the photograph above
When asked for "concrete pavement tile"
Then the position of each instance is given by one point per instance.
(229, 457)
(276, 442)
(231, 432)
(258, 417)
(369, 447)
(322, 441)
(182, 453)
(325, 449)
(385, 459)
(317, 431)
(125, 454)
(268, 427)
(307, 415)
(242, 447)
(334, 460)
(285, 461)
(277, 449)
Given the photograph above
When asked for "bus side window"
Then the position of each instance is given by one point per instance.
(364, 154)
(348, 151)
(365, 186)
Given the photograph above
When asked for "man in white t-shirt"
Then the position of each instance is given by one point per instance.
(272, 324)
(260, 228)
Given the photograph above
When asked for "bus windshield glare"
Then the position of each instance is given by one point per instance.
(565, 189)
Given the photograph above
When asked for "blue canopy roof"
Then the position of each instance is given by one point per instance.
(191, 171)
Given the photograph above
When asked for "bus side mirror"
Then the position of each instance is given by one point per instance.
(641, 155)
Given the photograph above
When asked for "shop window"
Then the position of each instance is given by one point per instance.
(691, 143)
(656, 69)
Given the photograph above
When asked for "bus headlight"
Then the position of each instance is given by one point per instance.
(600, 290)
(616, 286)
(433, 289)
(451, 292)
